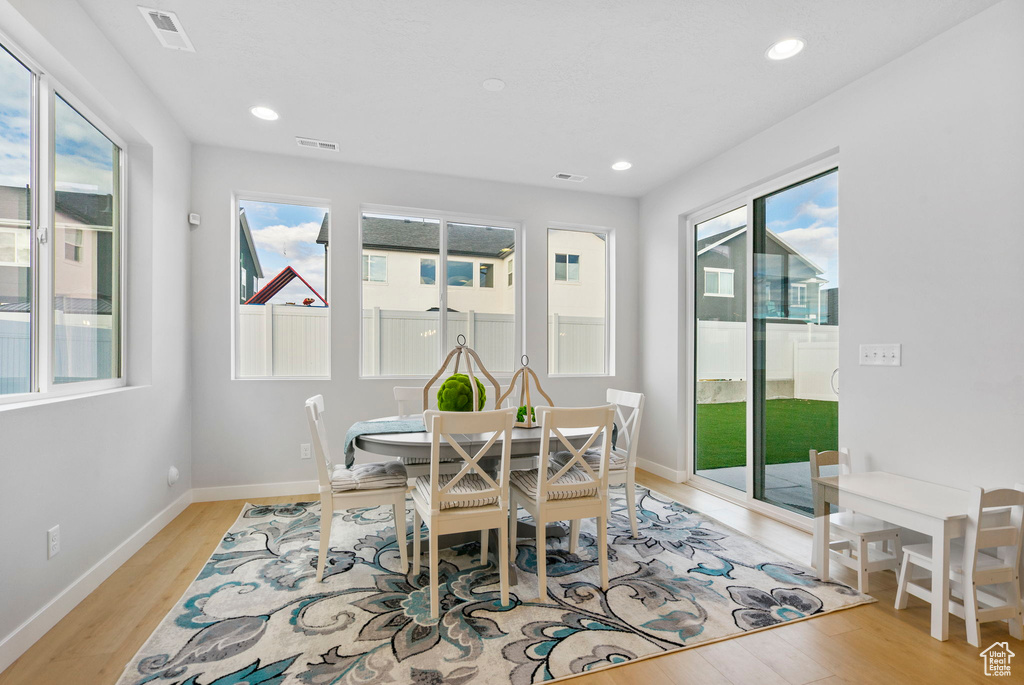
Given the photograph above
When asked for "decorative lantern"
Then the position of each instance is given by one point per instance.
(460, 351)
(523, 375)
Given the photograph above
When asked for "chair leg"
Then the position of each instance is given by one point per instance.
(434, 561)
(897, 546)
(574, 536)
(326, 514)
(1017, 623)
(513, 528)
(862, 565)
(401, 535)
(541, 546)
(631, 503)
(902, 596)
(503, 564)
(602, 550)
(970, 592)
(417, 534)
(484, 535)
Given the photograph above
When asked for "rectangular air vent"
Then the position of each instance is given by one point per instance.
(315, 144)
(167, 28)
(575, 178)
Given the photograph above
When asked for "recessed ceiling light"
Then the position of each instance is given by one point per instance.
(784, 49)
(265, 113)
(621, 166)
(494, 84)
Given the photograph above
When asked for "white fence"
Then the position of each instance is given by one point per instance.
(283, 340)
(807, 355)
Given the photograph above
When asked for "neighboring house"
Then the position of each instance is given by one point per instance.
(789, 282)
(322, 239)
(277, 283)
(83, 232)
(249, 268)
(400, 268)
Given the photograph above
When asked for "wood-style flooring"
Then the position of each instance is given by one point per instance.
(867, 644)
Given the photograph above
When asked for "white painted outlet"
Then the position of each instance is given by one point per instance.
(881, 355)
(53, 542)
(305, 451)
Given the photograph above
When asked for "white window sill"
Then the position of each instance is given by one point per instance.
(53, 399)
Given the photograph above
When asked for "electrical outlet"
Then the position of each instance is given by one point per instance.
(53, 542)
(305, 451)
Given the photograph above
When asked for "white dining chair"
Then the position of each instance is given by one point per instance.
(972, 568)
(567, 491)
(361, 485)
(469, 500)
(865, 544)
(410, 400)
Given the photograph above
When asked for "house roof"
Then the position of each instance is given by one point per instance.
(247, 234)
(275, 284)
(68, 305)
(713, 241)
(410, 235)
(321, 238)
(88, 209)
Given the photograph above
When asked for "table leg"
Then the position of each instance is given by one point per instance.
(940, 582)
(821, 532)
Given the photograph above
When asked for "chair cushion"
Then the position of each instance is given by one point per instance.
(616, 462)
(468, 484)
(375, 476)
(585, 486)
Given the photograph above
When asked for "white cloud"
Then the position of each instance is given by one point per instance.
(812, 209)
(820, 244)
(290, 242)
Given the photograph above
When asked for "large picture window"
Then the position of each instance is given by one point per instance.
(578, 302)
(60, 285)
(408, 322)
(282, 315)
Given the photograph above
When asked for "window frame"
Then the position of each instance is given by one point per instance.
(43, 246)
(719, 271)
(568, 281)
(444, 218)
(237, 197)
(609, 296)
(369, 269)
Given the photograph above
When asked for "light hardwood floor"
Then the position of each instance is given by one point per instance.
(867, 644)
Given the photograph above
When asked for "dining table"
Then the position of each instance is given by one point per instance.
(413, 449)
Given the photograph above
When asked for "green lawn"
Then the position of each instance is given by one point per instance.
(794, 427)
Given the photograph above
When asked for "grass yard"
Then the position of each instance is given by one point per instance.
(793, 428)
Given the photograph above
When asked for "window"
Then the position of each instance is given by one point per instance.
(510, 272)
(375, 268)
(78, 345)
(282, 329)
(578, 327)
(798, 294)
(718, 282)
(486, 275)
(567, 268)
(428, 272)
(409, 322)
(460, 274)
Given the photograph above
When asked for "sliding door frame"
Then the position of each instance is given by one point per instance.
(746, 198)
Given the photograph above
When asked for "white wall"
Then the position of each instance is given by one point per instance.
(97, 466)
(248, 431)
(931, 155)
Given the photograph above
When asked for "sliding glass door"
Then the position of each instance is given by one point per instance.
(766, 298)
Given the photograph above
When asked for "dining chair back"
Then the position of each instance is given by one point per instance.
(629, 411)
(840, 458)
(410, 400)
(363, 485)
(473, 498)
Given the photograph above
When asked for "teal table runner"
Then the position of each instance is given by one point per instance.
(376, 428)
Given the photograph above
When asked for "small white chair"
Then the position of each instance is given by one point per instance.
(857, 532)
(568, 491)
(468, 500)
(971, 569)
(410, 400)
(362, 485)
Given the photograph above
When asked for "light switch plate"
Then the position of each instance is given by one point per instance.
(889, 354)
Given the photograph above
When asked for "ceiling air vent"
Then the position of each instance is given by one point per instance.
(575, 178)
(167, 28)
(315, 144)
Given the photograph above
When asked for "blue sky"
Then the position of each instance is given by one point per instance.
(285, 235)
(806, 217)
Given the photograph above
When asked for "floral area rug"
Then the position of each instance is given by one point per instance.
(256, 615)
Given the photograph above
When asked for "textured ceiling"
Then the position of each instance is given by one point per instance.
(664, 84)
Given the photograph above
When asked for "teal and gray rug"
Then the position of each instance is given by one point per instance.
(255, 614)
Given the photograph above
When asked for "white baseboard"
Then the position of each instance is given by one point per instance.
(25, 635)
(673, 475)
(225, 492)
